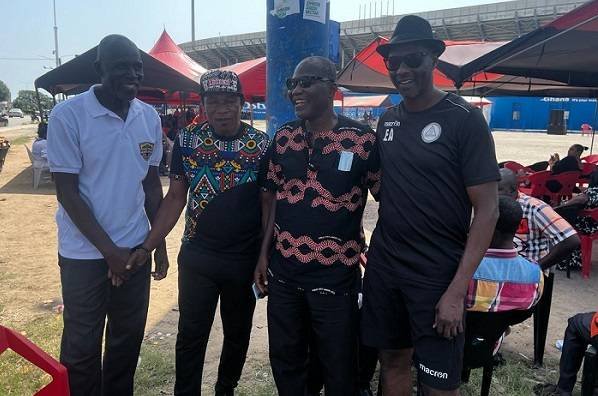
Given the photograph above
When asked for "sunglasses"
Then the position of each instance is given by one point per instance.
(413, 61)
(305, 82)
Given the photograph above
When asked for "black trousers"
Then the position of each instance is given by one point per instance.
(293, 317)
(203, 279)
(368, 360)
(577, 338)
(89, 298)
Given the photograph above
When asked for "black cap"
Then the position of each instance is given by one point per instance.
(412, 29)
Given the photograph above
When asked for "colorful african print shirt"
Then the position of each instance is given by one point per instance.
(321, 192)
(223, 209)
(504, 281)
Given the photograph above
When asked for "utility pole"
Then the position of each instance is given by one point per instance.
(56, 37)
(192, 21)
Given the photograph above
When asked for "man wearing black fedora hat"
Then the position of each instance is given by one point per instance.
(438, 162)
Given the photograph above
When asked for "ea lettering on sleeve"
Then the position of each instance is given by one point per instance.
(389, 127)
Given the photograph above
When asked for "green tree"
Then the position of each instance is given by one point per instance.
(27, 101)
(4, 92)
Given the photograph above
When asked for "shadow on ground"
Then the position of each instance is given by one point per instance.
(22, 183)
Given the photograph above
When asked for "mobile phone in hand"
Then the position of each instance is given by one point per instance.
(257, 292)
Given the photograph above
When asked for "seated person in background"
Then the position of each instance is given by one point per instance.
(584, 225)
(571, 163)
(39, 148)
(504, 281)
(502, 291)
(581, 331)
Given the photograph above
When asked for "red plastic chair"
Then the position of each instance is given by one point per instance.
(586, 244)
(592, 159)
(21, 345)
(587, 169)
(568, 180)
(514, 166)
(535, 184)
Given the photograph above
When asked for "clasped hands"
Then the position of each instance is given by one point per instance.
(123, 262)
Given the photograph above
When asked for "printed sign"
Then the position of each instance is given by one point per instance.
(284, 8)
(315, 10)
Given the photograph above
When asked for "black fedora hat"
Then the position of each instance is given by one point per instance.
(412, 29)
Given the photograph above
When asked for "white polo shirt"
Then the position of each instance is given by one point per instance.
(112, 158)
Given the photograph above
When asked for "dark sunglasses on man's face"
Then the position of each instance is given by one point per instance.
(305, 82)
(413, 60)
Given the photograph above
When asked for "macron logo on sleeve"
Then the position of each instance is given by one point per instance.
(433, 373)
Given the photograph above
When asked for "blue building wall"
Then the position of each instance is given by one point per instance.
(512, 112)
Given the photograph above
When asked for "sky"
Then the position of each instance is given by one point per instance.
(27, 35)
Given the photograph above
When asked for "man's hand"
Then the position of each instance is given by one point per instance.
(138, 258)
(117, 262)
(162, 264)
(449, 315)
(260, 275)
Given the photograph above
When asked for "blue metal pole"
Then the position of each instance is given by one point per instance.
(290, 38)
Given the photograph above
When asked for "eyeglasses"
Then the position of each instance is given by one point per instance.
(413, 61)
(305, 82)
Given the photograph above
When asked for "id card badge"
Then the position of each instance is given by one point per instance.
(345, 161)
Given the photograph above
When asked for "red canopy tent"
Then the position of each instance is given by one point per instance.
(364, 101)
(367, 72)
(167, 52)
(252, 74)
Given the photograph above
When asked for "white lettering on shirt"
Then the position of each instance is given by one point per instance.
(433, 373)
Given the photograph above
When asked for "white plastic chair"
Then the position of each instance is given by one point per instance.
(38, 168)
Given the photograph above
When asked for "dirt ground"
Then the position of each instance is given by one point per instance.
(30, 283)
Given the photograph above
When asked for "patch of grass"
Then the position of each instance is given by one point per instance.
(515, 378)
(21, 140)
(257, 381)
(17, 375)
(155, 374)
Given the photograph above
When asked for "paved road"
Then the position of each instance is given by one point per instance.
(14, 121)
(18, 127)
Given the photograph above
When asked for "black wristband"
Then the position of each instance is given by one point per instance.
(142, 248)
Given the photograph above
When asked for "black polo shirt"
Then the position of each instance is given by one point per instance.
(321, 192)
(428, 160)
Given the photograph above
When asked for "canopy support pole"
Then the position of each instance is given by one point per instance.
(39, 105)
(251, 113)
(594, 126)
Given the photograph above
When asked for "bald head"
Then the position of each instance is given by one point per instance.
(508, 183)
(119, 66)
(116, 46)
(317, 66)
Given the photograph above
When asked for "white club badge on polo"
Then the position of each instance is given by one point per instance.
(345, 161)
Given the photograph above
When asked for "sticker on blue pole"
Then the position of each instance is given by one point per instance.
(315, 10)
(284, 8)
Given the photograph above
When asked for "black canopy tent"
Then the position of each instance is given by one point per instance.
(564, 50)
(78, 74)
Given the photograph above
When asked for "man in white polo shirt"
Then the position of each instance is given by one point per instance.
(104, 147)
